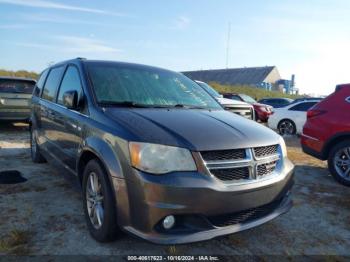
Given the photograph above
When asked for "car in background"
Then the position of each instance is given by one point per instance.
(289, 120)
(326, 134)
(307, 99)
(262, 111)
(238, 107)
(15, 96)
(276, 102)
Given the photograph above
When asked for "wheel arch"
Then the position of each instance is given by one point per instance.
(334, 141)
(96, 148)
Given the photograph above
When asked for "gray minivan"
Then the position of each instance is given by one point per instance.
(155, 154)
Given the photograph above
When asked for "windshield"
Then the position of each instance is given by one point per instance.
(135, 85)
(247, 99)
(209, 89)
(16, 86)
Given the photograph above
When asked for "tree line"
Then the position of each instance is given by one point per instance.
(19, 73)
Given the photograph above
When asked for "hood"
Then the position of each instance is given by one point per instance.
(226, 101)
(197, 130)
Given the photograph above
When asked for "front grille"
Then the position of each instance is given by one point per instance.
(231, 173)
(265, 151)
(244, 216)
(266, 169)
(235, 154)
(242, 165)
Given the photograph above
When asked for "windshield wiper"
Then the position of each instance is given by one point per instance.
(122, 104)
(188, 106)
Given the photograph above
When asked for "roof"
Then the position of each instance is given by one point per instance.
(17, 78)
(243, 76)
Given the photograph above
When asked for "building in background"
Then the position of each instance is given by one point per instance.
(266, 77)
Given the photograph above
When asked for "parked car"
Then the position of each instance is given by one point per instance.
(276, 102)
(326, 134)
(15, 96)
(290, 120)
(262, 111)
(308, 99)
(155, 154)
(238, 107)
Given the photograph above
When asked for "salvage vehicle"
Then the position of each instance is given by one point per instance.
(262, 111)
(15, 96)
(238, 107)
(155, 154)
(276, 102)
(326, 134)
(290, 120)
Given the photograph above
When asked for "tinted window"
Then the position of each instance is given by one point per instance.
(234, 97)
(16, 86)
(39, 85)
(70, 82)
(303, 106)
(146, 86)
(52, 83)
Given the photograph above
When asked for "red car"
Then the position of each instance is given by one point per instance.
(326, 134)
(262, 111)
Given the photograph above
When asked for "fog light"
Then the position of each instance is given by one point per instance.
(168, 222)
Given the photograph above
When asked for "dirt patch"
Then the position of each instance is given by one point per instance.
(51, 207)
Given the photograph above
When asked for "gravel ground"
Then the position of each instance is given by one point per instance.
(44, 215)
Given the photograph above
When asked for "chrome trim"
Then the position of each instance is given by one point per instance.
(251, 162)
(310, 137)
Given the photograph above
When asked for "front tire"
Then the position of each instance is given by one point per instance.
(286, 127)
(99, 204)
(339, 162)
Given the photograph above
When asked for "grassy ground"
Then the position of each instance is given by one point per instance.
(254, 92)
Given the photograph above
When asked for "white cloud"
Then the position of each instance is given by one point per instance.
(53, 5)
(74, 45)
(182, 22)
(59, 20)
(85, 45)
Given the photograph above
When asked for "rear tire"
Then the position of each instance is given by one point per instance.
(35, 149)
(99, 203)
(286, 127)
(339, 162)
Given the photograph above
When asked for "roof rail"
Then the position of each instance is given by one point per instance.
(81, 58)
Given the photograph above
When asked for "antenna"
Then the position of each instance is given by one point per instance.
(228, 43)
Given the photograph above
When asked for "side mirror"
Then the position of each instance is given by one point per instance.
(70, 99)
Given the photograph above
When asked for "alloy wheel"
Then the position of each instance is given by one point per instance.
(342, 163)
(286, 127)
(94, 200)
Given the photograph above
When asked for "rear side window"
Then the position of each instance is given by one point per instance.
(40, 84)
(52, 83)
(16, 86)
(70, 82)
(303, 106)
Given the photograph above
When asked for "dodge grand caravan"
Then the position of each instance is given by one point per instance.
(155, 154)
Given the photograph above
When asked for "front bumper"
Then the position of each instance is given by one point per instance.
(197, 202)
(263, 115)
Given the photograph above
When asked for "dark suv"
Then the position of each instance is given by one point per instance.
(155, 154)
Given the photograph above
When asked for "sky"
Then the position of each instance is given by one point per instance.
(310, 39)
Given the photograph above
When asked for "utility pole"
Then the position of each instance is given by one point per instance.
(228, 44)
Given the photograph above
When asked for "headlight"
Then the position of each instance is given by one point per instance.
(160, 159)
(283, 147)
